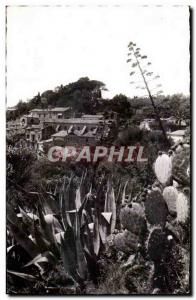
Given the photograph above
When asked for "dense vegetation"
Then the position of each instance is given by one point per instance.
(97, 229)
(84, 96)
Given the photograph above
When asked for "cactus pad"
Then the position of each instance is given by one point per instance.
(156, 244)
(181, 167)
(170, 195)
(182, 208)
(156, 209)
(125, 241)
(133, 218)
(163, 168)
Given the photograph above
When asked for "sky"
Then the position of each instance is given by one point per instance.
(50, 46)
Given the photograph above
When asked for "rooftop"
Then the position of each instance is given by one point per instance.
(11, 108)
(75, 121)
(92, 117)
(56, 109)
(61, 133)
(34, 127)
(64, 133)
(177, 133)
(45, 141)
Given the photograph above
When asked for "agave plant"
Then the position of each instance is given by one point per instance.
(66, 227)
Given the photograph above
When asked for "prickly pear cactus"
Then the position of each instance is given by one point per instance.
(125, 241)
(156, 244)
(182, 207)
(157, 186)
(170, 195)
(181, 167)
(132, 218)
(177, 264)
(156, 209)
(163, 168)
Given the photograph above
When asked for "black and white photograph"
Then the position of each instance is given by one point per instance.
(98, 149)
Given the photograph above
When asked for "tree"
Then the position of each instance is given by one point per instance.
(121, 105)
(136, 58)
(180, 107)
(22, 108)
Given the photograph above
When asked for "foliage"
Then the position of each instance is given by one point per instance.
(81, 95)
(75, 226)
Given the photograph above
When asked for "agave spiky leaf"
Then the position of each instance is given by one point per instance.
(33, 217)
(83, 185)
(96, 237)
(50, 203)
(71, 217)
(65, 201)
(42, 257)
(110, 204)
(104, 230)
(124, 193)
(81, 259)
(58, 236)
(69, 254)
(23, 275)
(87, 240)
(40, 240)
(48, 232)
(27, 220)
(78, 199)
(107, 216)
(24, 241)
(82, 210)
(51, 220)
(11, 216)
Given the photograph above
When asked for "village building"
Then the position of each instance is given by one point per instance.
(177, 136)
(170, 124)
(13, 128)
(46, 127)
(53, 113)
(13, 108)
(76, 131)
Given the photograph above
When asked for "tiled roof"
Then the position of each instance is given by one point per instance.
(64, 133)
(74, 121)
(61, 133)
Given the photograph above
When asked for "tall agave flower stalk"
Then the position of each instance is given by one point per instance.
(137, 60)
